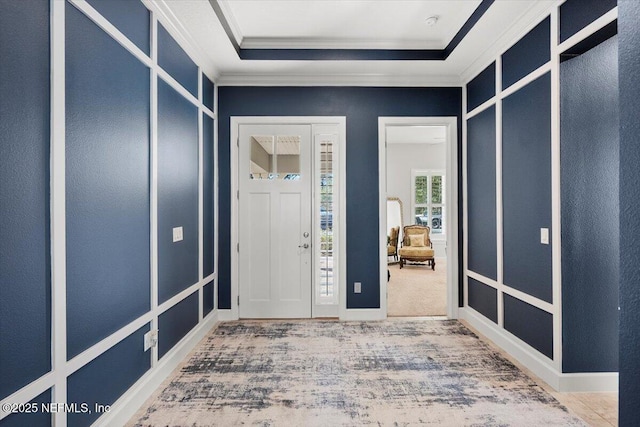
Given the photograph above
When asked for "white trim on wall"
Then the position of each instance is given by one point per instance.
(58, 219)
(451, 188)
(62, 368)
(550, 370)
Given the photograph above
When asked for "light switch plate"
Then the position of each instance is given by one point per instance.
(177, 234)
(150, 339)
(544, 236)
(357, 287)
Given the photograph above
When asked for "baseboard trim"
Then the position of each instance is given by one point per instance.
(531, 359)
(593, 382)
(522, 352)
(226, 315)
(127, 405)
(363, 314)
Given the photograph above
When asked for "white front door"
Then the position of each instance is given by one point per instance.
(275, 221)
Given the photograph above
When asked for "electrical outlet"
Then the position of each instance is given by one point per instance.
(150, 339)
(177, 234)
(357, 287)
(544, 236)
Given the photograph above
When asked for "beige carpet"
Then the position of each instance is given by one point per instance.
(329, 373)
(416, 290)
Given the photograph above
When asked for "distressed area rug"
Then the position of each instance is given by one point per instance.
(329, 373)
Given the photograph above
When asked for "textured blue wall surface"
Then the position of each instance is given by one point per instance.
(107, 184)
(362, 107)
(483, 299)
(590, 161)
(131, 17)
(526, 188)
(520, 318)
(36, 419)
(529, 53)
(106, 378)
(25, 285)
(481, 193)
(482, 87)
(177, 192)
(577, 14)
(176, 322)
(175, 61)
(208, 208)
(629, 70)
(207, 298)
(207, 92)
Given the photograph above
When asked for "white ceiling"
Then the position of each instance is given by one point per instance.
(395, 24)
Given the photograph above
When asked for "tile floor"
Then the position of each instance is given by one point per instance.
(597, 409)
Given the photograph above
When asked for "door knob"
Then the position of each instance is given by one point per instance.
(305, 234)
(306, 245)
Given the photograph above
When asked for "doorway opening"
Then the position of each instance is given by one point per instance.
(418, 174)
(287, 239)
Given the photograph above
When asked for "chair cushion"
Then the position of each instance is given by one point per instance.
(416, 240)
(391, 250)
(412, 251)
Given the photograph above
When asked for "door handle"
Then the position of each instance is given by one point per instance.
(306, 246)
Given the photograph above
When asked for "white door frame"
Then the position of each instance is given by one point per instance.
(235, 123)
(451, 123)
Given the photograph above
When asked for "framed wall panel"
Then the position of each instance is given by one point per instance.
(177, 192)
(208, 192)
(484, 299)
(132, 18)
(481, 193)
(25, 284)
(519, 317)
(175, 61)
(176, 322)
(107, 184)
(482, 88)
(526, 188)
(529, 53)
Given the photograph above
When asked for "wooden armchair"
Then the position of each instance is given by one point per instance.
(417, 246)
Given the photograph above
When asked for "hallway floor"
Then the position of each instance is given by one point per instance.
(330, 373)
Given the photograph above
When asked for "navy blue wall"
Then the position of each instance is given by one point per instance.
(577, 14)
(207, 298)
(104, 379)
(176, 322)
(207, 92)
(482, 88)
(175, 61)
(107, 186)
(484, 299)
(362, 107)
(132, 18)
(208, 208)
(528, 54)
(526, 188)
(520, 318)
(629, 70)
(177, 192)
(35, 419)
(589, 180)
(481, 193)
(25, 286)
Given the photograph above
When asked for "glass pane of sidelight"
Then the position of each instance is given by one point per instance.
(326, 220)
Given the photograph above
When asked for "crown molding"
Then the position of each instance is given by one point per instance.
(336, 43)
(364, 80)
(518, 29)
(231, 20)
(177, 30)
